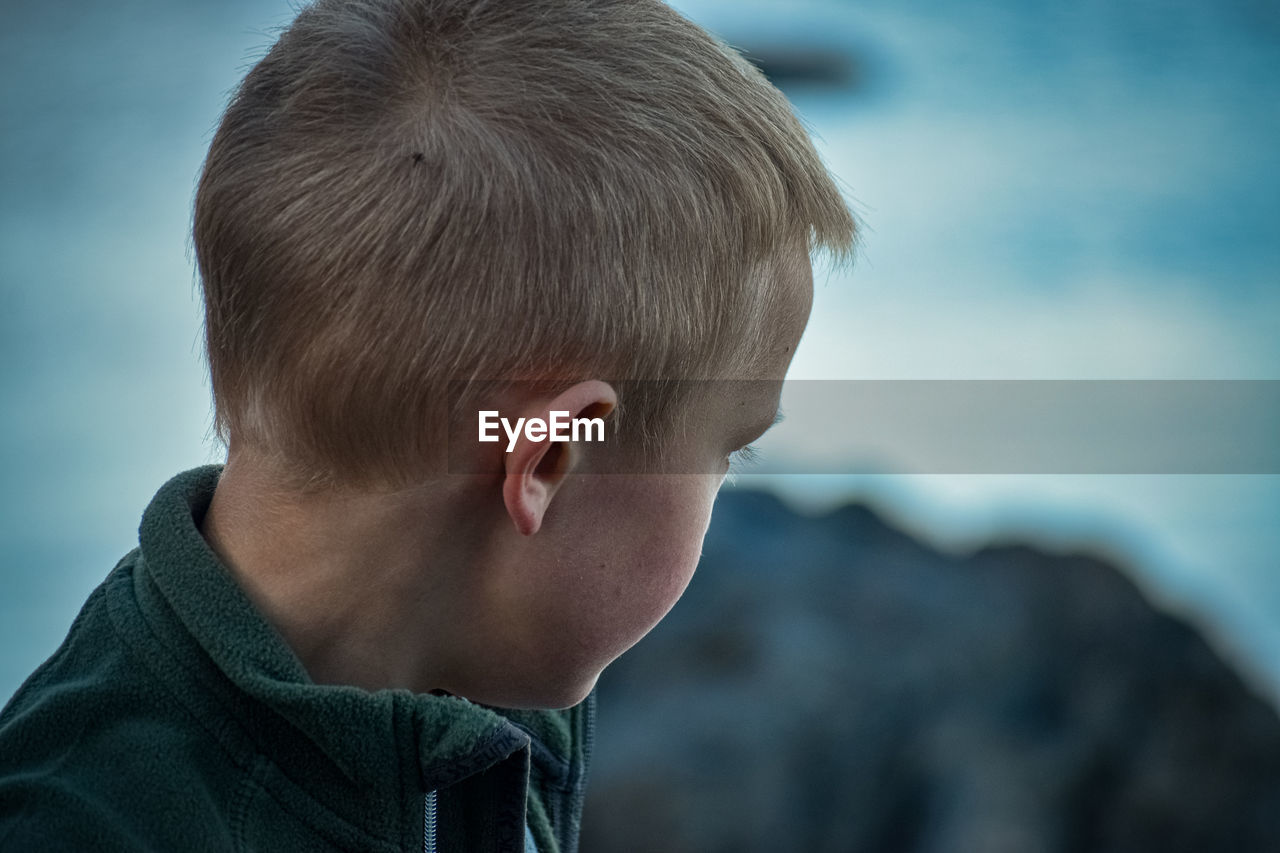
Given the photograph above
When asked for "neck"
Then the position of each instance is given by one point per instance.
(366, 588)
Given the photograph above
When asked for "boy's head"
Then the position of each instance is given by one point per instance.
(408, 193)
(594, 195)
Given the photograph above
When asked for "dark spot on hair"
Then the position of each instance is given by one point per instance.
(418, 157)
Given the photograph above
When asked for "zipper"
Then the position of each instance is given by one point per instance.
(429, 823)
(588, 742)
(591, 736)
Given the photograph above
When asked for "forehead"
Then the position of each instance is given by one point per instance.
(788, 286)
(746, 405)
(738, 406)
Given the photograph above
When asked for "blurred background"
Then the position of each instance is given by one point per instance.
(864, 661)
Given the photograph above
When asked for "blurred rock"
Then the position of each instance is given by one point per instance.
(832, 684)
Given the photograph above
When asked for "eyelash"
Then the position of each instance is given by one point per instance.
(745, 457)
(742, 457)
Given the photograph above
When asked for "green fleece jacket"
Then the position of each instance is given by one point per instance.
(174, 718)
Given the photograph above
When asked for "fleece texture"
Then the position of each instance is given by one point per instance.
(175, 718)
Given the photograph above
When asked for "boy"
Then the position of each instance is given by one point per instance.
(371, 629)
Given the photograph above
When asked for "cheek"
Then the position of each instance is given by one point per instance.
(685, 548)
(666, 571)
(666, 544)
(641, 544)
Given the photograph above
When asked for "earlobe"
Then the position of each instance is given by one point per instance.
(526, 499)
(534, 472)
(535, 469)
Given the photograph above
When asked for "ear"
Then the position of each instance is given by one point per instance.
(534, 470)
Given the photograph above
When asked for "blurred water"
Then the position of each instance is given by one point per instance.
(106, 114)
(1060, 192)
(1049, 191)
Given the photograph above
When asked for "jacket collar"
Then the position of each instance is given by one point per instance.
(374, 745)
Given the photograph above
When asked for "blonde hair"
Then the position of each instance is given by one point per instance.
(403, 193)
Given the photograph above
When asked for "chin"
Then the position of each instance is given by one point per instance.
(539, 697)
(566, 696)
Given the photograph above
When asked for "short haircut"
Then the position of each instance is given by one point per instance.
(404, 193)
